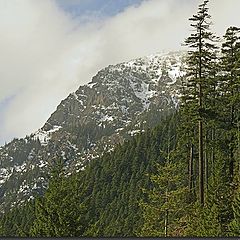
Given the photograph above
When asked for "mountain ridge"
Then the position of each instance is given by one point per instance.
(120, 101)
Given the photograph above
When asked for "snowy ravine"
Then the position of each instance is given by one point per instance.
(121, 100)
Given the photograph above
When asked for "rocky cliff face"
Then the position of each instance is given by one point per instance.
(120, 101)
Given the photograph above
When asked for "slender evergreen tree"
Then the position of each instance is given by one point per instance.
(230, 90)
(201, 59)
(166, 206)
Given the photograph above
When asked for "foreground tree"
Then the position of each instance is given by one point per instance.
(165, 207)
(200, 74)
(229, 107)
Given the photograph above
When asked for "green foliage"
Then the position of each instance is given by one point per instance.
(59, 213)
(102, 200)
(166, 206)
(199, 89)
(204, 222)
(234, 226)
(18, 221)
(114, 194)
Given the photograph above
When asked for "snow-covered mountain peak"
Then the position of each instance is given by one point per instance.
(122, 91)
(119, 92)
(120, 101)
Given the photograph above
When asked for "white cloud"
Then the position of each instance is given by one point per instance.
(224, 14)
(45, 54)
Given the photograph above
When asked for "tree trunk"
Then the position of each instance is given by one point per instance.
(166, 224)
(231, 163)
(201, 164)
(190, 179)
(212, 151)
(200, 122)
(206, 163)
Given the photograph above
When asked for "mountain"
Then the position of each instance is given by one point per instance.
(120, 101)
(101, 201)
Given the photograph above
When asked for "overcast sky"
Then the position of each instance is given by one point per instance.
(49, 48)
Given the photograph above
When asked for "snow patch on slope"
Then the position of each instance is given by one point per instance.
(76, 97)
(5, 174)
(45, 136)
(143, 93)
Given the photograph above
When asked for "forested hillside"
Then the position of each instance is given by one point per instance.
(178, 179)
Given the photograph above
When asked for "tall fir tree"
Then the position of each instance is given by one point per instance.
(201, 60)
(229, 88)
(165, 207)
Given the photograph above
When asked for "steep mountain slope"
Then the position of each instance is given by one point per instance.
(120, 101)
(110, 189)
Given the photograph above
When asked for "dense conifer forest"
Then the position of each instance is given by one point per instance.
(179, 179)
